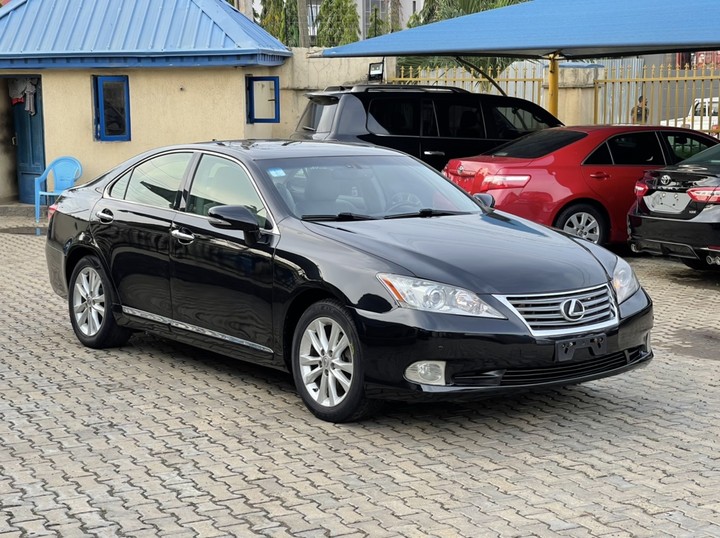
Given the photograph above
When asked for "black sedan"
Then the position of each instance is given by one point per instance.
(359, 269)
(677, 212)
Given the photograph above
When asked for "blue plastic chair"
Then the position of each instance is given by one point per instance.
(65, 172)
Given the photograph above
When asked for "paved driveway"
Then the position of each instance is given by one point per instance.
(158, 439)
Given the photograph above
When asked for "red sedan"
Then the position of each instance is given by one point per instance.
(578, 179)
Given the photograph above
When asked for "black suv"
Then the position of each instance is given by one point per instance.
(433, 123)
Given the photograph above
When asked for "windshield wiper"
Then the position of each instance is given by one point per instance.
(339, 217)
(426, 212)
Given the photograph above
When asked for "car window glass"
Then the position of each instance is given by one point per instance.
(709, 156)
(318, 116)
(394, 117)
(156, 181)
(600, 156)
(514, 120)
(684, 145)
(219, 181)
(117, 190)
(538, 144)
(636, 148)
(429, 121)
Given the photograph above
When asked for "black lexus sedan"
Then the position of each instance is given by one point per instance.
(359, 269)
(677, 211)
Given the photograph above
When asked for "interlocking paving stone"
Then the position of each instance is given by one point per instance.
(160, 439)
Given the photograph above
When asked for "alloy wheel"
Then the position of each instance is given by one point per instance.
(89, 301)
(326, 361)
(583, 225)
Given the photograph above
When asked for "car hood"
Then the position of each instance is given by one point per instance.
(488, 253)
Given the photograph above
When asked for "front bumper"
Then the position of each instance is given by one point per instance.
(486, 357)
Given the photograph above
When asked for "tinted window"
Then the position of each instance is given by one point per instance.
(636, 148)
(460, 119)
(510, 121)
(709, 156)
(394, 117)
(600, 156)
(429, 121)
(684, 145)
(156, 181)
(218, 181)
(538, 144)
(120, 186)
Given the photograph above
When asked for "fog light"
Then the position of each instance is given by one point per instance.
(427, 372)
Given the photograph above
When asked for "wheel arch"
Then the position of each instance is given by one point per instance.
(584, 201)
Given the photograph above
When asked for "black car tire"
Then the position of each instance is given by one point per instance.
(327, 364)
(584, 221)
(90, 300)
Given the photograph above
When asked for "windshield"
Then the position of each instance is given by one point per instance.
(710, 156)
(539, 144)
(364, 187)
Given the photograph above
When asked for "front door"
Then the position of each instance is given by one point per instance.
(29, 138)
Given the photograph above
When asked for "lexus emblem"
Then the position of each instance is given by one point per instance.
(572, 310)
(665, 180)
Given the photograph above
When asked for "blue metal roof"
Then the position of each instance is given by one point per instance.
(570, 28)
(57, 34)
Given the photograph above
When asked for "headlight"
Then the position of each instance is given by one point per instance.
(435, 297)
(624, 280)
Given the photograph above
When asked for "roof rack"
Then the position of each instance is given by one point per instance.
(357, 88)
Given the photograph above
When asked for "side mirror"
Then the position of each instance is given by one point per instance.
(485, 199)
(235, 217)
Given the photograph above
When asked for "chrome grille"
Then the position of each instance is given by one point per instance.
(543, 314)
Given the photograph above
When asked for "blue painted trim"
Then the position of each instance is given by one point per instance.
(27, 62)
(249, 80)
(100, 108)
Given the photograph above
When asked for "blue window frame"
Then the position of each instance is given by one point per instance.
(112, 108)
(263, 99)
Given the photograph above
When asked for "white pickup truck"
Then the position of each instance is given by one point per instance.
(702, 116)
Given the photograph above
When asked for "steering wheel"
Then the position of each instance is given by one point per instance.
(406, 200)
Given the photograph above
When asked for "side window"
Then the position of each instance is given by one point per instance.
(460, 120)
(394, 117)
(636, 148)
(428, 120)
(119, 188)
(112, 108)
(219, 181)
(600, 156)
(684, 145)
(156, 181)
(510, 121)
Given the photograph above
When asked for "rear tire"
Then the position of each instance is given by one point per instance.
(327, 364)
(585, 222)
(90, 300)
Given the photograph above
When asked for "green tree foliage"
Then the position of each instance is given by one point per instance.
(338, 23)
(271, 17)
(376, 25)
(291, 28)
(438, 10)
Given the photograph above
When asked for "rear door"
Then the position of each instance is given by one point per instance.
(453, 126)
(394, 122)
(132, 225)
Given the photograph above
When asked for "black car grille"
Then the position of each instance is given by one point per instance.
(543, 314)
(557, 373)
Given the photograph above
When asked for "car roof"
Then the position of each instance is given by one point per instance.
(622, 128)
(277, 148)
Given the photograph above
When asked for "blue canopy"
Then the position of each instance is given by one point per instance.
(566, 28)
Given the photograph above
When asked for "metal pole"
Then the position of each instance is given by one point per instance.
(553, 80)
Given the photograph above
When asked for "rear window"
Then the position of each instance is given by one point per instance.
(708, 156)
(538, 144)
(318, 116)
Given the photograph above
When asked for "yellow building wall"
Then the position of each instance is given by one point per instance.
(167, 106)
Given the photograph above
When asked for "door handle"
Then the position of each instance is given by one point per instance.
(13, 141)
(183, 237)
(105, 216)
(431, 153)
(599, 175)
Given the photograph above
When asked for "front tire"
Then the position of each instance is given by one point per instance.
(90, 300)
(327, 364)
(585, 222)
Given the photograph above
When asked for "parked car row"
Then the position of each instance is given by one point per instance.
(581, 180)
